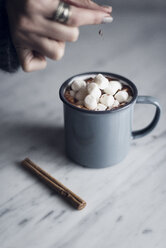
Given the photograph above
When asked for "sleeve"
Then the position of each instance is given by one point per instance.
(8, 56)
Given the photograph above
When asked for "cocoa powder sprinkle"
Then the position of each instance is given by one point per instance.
(100, 32)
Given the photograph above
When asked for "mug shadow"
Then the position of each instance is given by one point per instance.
(39, 141)
(28, 139)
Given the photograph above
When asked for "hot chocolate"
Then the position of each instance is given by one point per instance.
(99, 93)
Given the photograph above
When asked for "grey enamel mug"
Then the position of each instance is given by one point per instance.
(98, 139)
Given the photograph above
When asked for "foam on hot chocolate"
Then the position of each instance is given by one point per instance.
(99, 93)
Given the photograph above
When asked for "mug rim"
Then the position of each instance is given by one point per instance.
(116, 76)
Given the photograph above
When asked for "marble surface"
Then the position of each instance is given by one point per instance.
(126, 203)
(135, 4)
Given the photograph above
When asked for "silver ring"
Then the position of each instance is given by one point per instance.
(62, 13)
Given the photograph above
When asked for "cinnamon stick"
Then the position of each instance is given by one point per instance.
(75, 200)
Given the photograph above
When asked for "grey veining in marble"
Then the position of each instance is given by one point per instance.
(126, 204)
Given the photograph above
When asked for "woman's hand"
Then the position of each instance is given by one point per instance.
(36, 36)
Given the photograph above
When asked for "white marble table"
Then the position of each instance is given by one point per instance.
(126, 204)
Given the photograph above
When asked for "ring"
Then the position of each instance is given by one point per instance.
(62, 13)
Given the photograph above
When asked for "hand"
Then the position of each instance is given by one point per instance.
(36, 36)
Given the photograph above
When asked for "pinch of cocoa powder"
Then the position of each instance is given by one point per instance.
(100, 32)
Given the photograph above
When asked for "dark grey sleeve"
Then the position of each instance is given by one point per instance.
(8, 57)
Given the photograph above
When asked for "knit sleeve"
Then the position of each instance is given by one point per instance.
(8, 57)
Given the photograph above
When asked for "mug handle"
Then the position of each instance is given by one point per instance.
(148, 100)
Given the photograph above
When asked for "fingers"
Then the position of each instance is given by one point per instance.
(84, 15)
(81, 16)
(89, 5)
(49, 28)
(58, 31)
(30, 61)
(36, 36)
(31, 58)
(43, 45)
(47, 47)
(69, 32)
(47, 8)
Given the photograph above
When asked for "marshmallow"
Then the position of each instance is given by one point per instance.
(113, 87)
(78, 84)
(117, 83)
(90, 102)
(122, 96)
(116, 104)
(91, 87)
(94, 90)
(107, 100)
(129, 99)
(81, 94)
(101, 81)
(72, 93)
(101, 107)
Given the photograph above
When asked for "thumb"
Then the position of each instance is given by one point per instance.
(30, 60)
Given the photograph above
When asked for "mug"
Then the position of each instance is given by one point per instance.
(98, 139)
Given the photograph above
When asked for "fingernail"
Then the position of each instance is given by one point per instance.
(107, 8)
(107, 19)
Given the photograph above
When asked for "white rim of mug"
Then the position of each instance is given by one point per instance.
(107, 74)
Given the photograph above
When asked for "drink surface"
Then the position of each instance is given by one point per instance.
(98, 93)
